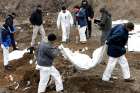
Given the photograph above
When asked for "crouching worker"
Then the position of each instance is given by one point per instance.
(45, 56)
(5, 41)
(116, 50)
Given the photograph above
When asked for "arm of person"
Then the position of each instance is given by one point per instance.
(58, 20)
(103, 20)
(91, 14)
(32, 18)
(71, 19)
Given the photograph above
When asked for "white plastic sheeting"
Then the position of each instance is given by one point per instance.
(17, 54)
(83, 61)
(134, 39)
(114, 23)
(134, 43)
(98, 54)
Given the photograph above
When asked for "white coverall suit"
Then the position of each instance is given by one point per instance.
(45, 73)
(66, 21)
(5, 54)
(111, 65)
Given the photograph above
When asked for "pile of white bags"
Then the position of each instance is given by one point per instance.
(83, 61)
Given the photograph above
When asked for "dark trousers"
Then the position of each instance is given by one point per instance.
(104, 36)
(89, 29)
(13, 40)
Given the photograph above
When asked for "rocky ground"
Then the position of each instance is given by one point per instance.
(23, 78)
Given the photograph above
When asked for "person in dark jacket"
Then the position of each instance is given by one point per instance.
(5, 44)
(105, 24)
(36, 20)
(82, 23)
(45, 57)
(116, 42)
(10, 22)
(89, 17)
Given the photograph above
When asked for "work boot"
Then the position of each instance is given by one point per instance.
(14, 47)
(8, 67)
(129, 80)
(62, 91)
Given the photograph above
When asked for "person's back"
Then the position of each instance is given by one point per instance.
(116, 51)
(46, 54)
(118, 36)
(36, 17)
(117, 39)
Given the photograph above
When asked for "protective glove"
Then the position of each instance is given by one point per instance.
(31, 50)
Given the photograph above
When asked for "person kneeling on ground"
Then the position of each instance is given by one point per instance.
(45, 56)
(116, 42)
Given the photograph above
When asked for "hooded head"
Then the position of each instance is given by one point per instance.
(13, 15)
(39, 8)
(129, 26)
(84, 3)
(103, 10)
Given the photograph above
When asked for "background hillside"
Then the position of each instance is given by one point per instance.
(120, 9)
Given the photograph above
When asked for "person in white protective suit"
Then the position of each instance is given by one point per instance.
(45, 56)
(116, 50)
(65, 19)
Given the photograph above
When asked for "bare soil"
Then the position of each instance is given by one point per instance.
(25, 75)
(75, 81)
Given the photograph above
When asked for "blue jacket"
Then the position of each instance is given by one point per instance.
(6, 40)
(82, 21)
(117, 40)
